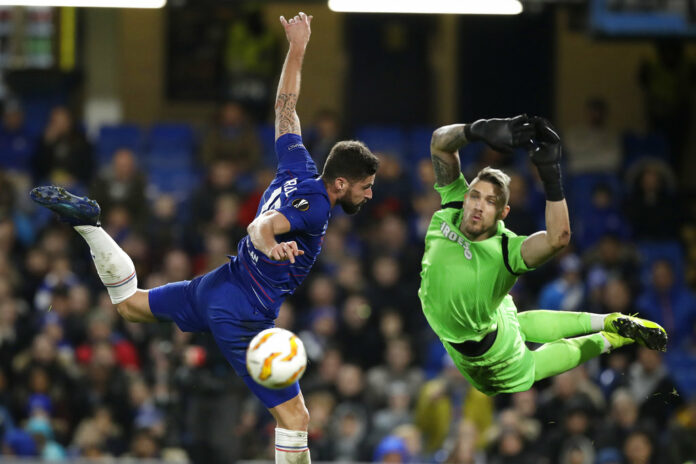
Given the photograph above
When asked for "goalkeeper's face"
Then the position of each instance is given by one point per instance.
(482, 209)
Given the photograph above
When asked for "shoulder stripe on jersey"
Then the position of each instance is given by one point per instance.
(452, 204)
(506, 260)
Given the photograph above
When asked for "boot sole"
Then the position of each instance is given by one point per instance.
(650, 337)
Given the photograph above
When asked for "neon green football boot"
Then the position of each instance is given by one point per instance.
(616, 340)
(643, 331)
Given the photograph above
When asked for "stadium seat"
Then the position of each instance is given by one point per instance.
(171, 135)
(384, 139)
(682, 367)
(638, 146)
(111, 138)
(266, 134)
(651, 251)
(579, 189)
(419, 143)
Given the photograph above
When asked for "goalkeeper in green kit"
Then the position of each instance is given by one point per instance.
(471, 262)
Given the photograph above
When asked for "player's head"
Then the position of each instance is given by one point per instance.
(486, 202)
(349, 173)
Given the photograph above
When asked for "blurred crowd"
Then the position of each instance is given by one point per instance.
(76, 380)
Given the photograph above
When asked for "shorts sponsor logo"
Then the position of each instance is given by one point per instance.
(301, 204)
(451, 235)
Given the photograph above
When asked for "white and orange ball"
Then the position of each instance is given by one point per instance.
(276, 358)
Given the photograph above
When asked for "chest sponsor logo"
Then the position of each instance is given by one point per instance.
(452, 236)
(300, 204)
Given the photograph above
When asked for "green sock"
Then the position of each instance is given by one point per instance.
(543, 326)
(563, 355)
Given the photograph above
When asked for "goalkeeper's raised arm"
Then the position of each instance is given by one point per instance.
(501, 134)
(546, 156)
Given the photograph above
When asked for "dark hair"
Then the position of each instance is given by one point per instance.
(350, 159)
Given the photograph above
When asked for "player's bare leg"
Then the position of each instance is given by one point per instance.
(292, 420)
(114, 266)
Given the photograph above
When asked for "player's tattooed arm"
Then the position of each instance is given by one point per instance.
(297, 31)
(287, 121)
(444, 151)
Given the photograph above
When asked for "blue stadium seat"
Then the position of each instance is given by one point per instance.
(682, 367)
(179, 182)
(419, 143)
(111, 138)
(651, 251)
(167, 136)
(266, 134)
(638, 146)
(384, 139)
(579, 189)
(173, 158)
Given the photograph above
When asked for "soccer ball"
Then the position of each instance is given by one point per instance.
(276, 358)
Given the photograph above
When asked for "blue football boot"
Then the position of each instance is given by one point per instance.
(76, 211)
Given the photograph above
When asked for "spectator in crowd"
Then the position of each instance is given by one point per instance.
(232, 138)
(566, 293)
(669, 303)
(16, 143)
(326, 131)
(123, 184)
(63, 156)
(592, 147)
(668, 83)
(651, 186)
(653, 388)
(397, 368)
(599, 218)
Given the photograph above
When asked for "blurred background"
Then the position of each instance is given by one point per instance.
(165, 117)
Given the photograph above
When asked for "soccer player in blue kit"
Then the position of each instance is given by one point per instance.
(239, 299)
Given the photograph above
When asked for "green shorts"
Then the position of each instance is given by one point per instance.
(508, 366)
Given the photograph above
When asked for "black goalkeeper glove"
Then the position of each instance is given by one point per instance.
(503, 135)
(546, 156)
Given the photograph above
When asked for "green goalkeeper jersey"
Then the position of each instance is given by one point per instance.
(464, 282)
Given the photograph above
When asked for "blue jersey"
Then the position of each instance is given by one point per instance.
(299, 194)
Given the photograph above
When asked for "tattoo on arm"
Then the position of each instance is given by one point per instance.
(287, 121)
(445, 173)
(449, 138)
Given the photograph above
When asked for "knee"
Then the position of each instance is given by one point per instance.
(295, 419)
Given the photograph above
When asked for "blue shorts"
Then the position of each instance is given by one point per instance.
(214, 303)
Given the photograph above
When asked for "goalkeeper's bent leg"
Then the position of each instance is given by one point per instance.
(543, 326)
(563, 355)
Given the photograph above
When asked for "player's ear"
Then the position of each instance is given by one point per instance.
(341, 184)
(505, 212)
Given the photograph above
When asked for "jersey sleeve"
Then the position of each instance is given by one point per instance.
(306, 212)
(512, 254)
(454, 191)
(293, 156)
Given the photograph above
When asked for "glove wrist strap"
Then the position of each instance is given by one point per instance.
(467, 133)
(551, 178)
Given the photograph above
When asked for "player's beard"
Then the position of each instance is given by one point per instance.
(350, 208)
(473, 231)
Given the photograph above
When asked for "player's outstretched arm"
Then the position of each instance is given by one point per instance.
(262, 232)
(542, 246)
(297, 31)
(444, 152)
(501, 134)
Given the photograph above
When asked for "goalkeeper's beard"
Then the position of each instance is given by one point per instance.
(475, 229)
